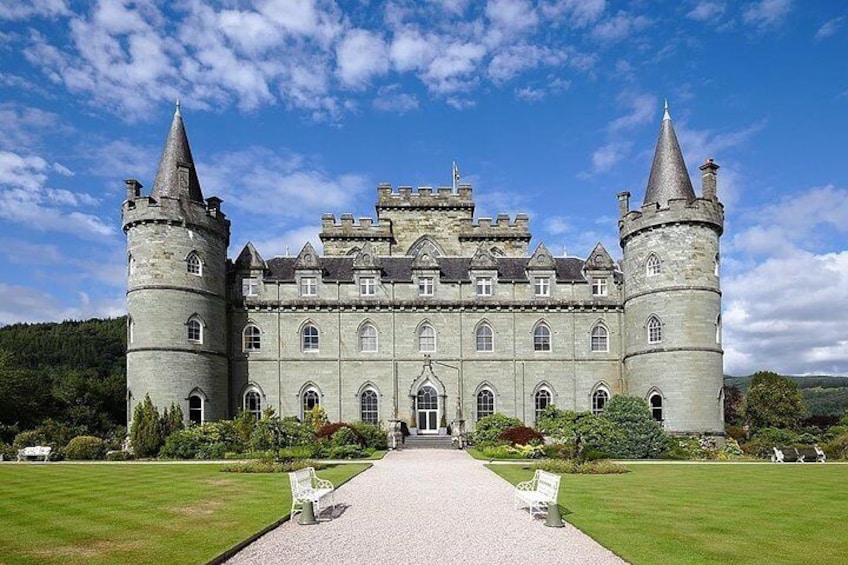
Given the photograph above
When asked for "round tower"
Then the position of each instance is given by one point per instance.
(176, 289)
(672, 297)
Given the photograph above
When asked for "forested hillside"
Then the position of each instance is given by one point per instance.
(822, 394)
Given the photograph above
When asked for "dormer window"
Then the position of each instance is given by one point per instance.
(425, 286)
(367, 286)
(484, 286)
(308, 286)
(599, 287)
(250, 287)
(542, 286)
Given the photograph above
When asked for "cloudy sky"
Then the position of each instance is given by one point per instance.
(550, 107)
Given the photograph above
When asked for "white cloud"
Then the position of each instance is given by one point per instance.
(767, 14)
(288, 243)
(411, 51)
(512, 16)
(618, 27)
(25, 9)
(452, 70)
(643, 109)
(360, 56)
(829, 28)
(390, 99)
(515, 59)
(578, 13)
(707, 10)
(25, 126)
(606, 157)
(25, 304)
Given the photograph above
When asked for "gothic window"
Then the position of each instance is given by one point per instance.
(194, 330)
(542, 400)
(599, 400)
(311, 399)
(368, 411)
(599, 287)
(600, 338)
(541, 337)
(485, 403)
(654, 330)
(484, 286)
(485, 338)
(195, 409)
(193, 264)
(653, 265)
(367, 286)
(308, 286)
(426, 338)
(542, 286)
(368, 339)
(251, 338)
(250, 287)
(656, 404)
(253, 402)
(309, 339)
(425, 286)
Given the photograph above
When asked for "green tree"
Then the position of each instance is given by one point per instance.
(146, 432)
(639, 435)
(734, 405)
(172, 420)
(774, 401)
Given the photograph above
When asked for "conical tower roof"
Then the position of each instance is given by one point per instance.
(176, 152)
(669, 178)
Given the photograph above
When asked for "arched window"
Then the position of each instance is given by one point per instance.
(253, 402)
(251, 338)
(599, 400)
(542, 400)
(653, 266)
(718, 329)
(309, 338)
(426, 338)
(195, 409)
(311, 399)
(600, 338)
(654, 330)
(130, 264)
(656, 404)
(368, 339)
(485, 403)
(194, 330)
(485, 338)
(541, 337)
(193, 264)
(368, 407)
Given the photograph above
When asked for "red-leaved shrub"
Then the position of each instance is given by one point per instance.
(520, 435)
(328, 430)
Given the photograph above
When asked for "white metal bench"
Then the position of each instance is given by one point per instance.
(537, 493)
(35, 451)
(306, 486)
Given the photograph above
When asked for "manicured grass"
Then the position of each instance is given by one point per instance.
(725, 513)
(477, 454)
(137, 513)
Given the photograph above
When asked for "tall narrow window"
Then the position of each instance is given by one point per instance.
(309, 338)
(308, 286)
(485, 338)
(600, 338)
(368, 339)
(195, 409)
(485, 403)
(130, 264)
(194, 329)
(251, 338)
(599, 287)
(599, 400)
(253, 403)
(310, 400)
(717, 267)
(193, 264)
(425, 286)
(542, 286)
(654, 330)
(426, 338)
(718, 329)
(130, 330)
(541, 338)
(484, 286)
(368, 407)
(656, 403)
(653, 265)
(542, 401)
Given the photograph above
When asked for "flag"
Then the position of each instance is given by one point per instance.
(455, 175)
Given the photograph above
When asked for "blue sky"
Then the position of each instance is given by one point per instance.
(297, 107)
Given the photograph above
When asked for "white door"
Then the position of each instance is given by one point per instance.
(428, 410)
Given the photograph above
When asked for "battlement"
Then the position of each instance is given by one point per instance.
(678, 211)
(425, 197)
(347, 228)
(144, 209)
(500, 228)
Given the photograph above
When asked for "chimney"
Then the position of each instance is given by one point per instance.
(709, 180)
(133, 189)
(623, 204)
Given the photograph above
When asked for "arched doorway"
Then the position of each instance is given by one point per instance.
(427, 409)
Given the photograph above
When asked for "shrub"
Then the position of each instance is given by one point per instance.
(559, 450)
(146, 432)
(520, 435)
(339, 433)
(373, 435)
(172, 420)
(212, 440)
(297, 432)
(730, 451)
(736, 432)
(7, 452)
(298, 452)
(557, 424)
(119, 456)
(316, 417)
(489, 428)
(639, 436)
(85, 448)
(349, 451)
(267, 434)
(837, 448)
(266, 466)
(51, 432)
(244, 424)
(564, 466)
(761, 443)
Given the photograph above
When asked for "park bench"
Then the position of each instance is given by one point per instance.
(35, 452)
(307, 487)
(803, 455)
(538, 493)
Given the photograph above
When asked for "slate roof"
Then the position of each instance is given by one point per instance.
(669, 178)
(176, 151)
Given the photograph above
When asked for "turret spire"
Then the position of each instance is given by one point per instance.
(669, 178)
(176, 153)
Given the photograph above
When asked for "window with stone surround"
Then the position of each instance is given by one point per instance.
(368, 407)
(194, 330)
(367, 286)
(600, 338)
(541, 400)
(653, 266)
(656, 404)
(485, 403)
(599, 287)
(193, 264)
(599, 400)
(426, 339)
(654, 330)
(542, 286)
(483, 286)
(541, 337)
(309, 339)
(311, 399)
(195, 409)
(253, 402)
(425, 286)
(308, 286)
(485, 340)
(251, 338)
(368, 339)
(250, 287)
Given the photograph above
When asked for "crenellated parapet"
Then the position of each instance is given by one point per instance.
(512, 238)
(699, 211)
(425, 197)
(340, 237)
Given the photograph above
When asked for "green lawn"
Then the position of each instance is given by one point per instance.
(725, 513)
(136, 513)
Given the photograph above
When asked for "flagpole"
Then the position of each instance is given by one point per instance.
(453, 176)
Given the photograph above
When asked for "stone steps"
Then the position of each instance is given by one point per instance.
(428, 442)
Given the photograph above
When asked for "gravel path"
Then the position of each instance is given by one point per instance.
(439, 506)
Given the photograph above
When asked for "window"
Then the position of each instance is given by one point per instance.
(368, 407)
(425, 286)
(195, 409)
(542, 401)
(251, 338)
(717, 264)
(485, 403)
(484, 286)
(541, 338)
(130, 264)
(250, 287)
(310, 400)
(656, 403)
(194, 330)
(600, 338)
(309, 338)
(654, 330)
(485, 338)
(718, 330)
(426, 338)
(368, 339)
(130, 330)
(599, 399)
(599, 287)
(542, 286)
(193, 264)
(253, 403)
(367, 286)
(653, 265)
(309, 286)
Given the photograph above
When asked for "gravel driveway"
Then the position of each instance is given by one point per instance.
(415, 506)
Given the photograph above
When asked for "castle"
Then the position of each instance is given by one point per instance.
(423, 314)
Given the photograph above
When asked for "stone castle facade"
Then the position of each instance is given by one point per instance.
(423, 314)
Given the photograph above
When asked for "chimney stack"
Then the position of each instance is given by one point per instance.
(709, 180)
